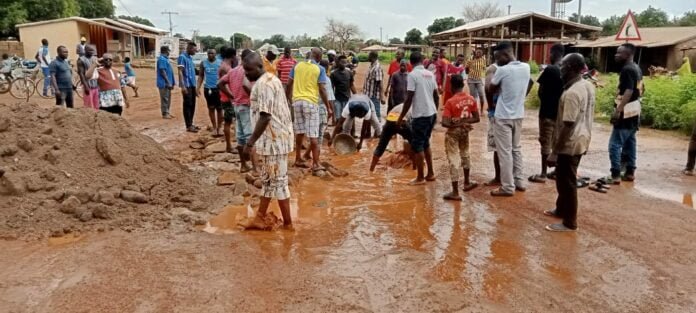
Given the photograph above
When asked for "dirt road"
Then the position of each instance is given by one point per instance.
(370, 243)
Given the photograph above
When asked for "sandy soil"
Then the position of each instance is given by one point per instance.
(369, 243)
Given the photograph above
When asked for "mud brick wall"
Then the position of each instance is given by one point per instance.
(12, 48)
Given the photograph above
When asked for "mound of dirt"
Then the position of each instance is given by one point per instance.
(77, 170)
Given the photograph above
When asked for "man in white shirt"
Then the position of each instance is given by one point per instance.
(43, 57)
(421, 98)
(514, 82)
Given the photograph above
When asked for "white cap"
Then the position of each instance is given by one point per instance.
(272, 48)
(332, 52)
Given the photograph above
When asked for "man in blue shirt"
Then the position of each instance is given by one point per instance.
(61, 78)
(208, 73)
(165, 81)
(187, 82)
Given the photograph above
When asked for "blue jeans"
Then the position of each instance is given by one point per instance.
(622, 142)
(243, 129)
(338, 109)
(378, 106)
(47, 81)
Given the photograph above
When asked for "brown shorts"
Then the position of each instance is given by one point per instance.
(546, 129)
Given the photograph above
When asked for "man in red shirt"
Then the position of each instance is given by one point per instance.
(395, 67)
(285, 65)
(460, 112)
(451, 69)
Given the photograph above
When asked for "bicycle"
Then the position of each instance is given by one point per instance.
(22, 85)
(76, 82)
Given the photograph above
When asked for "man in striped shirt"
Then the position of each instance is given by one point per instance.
(476, 69)
(284, 66)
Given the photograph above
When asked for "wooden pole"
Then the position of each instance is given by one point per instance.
(531, 38)
(502, 31)
(562, 31)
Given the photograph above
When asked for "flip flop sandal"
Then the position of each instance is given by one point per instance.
(688, 172)
(301, 165)
(599, 189)
(582, 183)
(492, 183)
(451, 197)
(537, 179)
(585, 178)
(551, 213)
(470, 187)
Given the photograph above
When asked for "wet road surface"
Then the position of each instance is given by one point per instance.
(370, 243)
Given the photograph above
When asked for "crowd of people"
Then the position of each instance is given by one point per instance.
(103, 86)
(275, 101)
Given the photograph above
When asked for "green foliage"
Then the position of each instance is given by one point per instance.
(586, 19)
(533, 67)
(414, 37)
(371, 42)
(137, 19)
(96, 8)
(240, 40)
(395, 40)
(533, 100)
(210, 42)
(668, 103)
(384, 57)
(278, 40)
(652, 17)
(11, 15)
(688, 19)
(443, 24)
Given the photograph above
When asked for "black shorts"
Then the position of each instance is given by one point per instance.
(66, 97)
(421, 129)
(117, 109)
(212, 98)
(227, 111)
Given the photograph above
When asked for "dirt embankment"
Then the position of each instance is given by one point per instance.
(78, 170)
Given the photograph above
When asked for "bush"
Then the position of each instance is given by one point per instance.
(384, 57)
(533, 101)
(533, 67)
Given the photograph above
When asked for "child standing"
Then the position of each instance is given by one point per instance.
(130, 75)
(460, 112)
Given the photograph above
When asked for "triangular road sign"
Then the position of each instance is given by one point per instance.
(629, 28)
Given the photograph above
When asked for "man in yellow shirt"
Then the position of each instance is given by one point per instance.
(305, 86)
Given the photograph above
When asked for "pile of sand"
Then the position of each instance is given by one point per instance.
(75, 170)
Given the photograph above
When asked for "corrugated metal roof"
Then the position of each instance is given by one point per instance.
(143, 27)
(76, 19)
(651, 37)
(494, 21)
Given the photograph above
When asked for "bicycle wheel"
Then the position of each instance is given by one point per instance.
(77, 86)
(22, 88)
(50, 93)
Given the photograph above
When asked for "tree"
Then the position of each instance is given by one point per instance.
(688, 19)
(413, 37)
(179, 35)
(652, 17)
(395, 41)
(11, 15)
(239, 40)
(371, 42)
(610, 26)
(278, 40)
(341, 33)
(96, 8)
(586, 19)
(40, 10)
(137, 19)
(443, 24)
(211, 42)
(481, 10)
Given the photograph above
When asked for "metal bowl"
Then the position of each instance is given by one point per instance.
(344, 144)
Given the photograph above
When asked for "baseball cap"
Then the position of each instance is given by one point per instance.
(83, 39)
(273, 49)
(331, 52)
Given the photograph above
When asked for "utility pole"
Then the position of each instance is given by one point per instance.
(509, 7)
(171, 26)
(580, 11)
(380, 36)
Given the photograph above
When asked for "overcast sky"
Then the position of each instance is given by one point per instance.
(262, 18)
